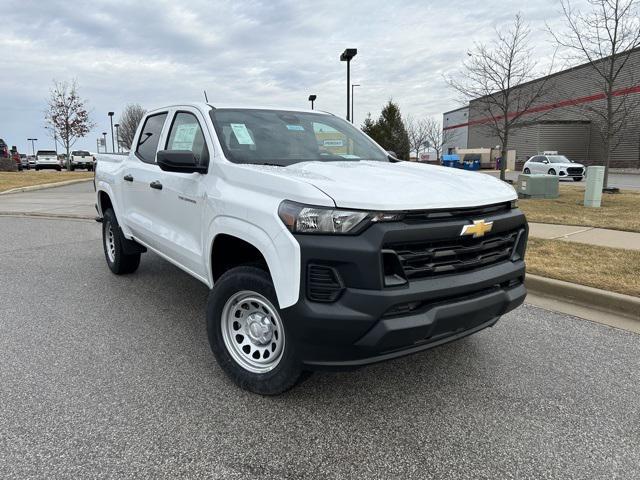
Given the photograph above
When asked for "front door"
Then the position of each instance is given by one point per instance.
(183, 195)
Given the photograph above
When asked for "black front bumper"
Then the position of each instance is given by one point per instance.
(367, 322)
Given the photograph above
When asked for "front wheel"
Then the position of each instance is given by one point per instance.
(551, 171)
(112, 239)
(247, 334)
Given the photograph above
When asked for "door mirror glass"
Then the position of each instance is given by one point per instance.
(545, 161)
(180, 161)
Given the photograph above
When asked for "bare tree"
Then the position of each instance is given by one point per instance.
(129, 121)
(496, 76)
(416, 129)
(436, 136)
(604, 38)
(66, 115)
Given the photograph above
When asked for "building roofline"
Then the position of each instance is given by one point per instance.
(466, 107)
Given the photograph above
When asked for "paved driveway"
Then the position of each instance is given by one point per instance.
(112, 377)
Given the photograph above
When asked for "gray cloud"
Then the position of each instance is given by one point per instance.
(249, 52)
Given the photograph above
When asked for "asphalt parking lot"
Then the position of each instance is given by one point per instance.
(112, 377)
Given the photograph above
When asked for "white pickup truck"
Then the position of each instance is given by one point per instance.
(320, 249)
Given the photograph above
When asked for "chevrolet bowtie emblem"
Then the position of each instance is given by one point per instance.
(478, 229)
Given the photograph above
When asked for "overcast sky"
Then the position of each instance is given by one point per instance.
(272, 53)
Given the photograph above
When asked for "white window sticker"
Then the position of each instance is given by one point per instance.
(295, 128)
(242, 134)
(185, 136)
(333, 143)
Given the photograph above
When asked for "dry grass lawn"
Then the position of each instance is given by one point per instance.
(610, 269)
(618, 212)
(9, 180)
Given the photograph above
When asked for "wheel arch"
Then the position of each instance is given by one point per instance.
(235, 242)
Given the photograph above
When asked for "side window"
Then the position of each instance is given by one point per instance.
(186, 134)
(150, 137)
(536, 159)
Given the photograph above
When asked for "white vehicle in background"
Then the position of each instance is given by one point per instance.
(82, 159)
(47, 159)
(550, 163)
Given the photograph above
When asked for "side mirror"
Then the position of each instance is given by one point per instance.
(180, 161)
(545, 161)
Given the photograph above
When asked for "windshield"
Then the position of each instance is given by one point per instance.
(558, 159)
(283, 138)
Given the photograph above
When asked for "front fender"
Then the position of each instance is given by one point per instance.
(282, 254)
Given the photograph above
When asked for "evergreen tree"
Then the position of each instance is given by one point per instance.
(389, 131)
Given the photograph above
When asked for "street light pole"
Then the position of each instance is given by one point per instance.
(346, 56)
(113, 146)
(353, 116)
(312, 98)
(104, 141)
(33, 148)
(117, 125)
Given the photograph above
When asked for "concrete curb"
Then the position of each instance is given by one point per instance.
(55, 216)
(43, 186)
(617, 303)
(52, 216)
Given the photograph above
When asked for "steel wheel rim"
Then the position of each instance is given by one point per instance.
(111, 244)
(252, 332)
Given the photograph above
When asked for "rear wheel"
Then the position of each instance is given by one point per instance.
(551, 171)
(112, 240)
(247, 334)
(526, 171)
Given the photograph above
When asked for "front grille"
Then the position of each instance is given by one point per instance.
(428, 259)
(323, 283)
(574, 171)
(416, 216)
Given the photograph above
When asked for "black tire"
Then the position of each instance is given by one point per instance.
(121, 263)
(551, 171)
(72, 168)
(288, 371)
(577, 179)
(59, 169)
(526, 171)
(37, 168)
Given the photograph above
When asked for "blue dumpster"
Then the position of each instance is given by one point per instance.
(451, 161)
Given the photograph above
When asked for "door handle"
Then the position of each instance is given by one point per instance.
(128, 178)
(156, 184)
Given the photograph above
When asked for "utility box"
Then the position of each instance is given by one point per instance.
(593, 193)
(537, 186)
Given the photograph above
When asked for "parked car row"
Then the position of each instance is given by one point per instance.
(48, 159)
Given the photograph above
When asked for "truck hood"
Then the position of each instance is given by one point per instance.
(370, 185)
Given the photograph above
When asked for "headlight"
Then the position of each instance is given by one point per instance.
(514, 203)
(300, 218)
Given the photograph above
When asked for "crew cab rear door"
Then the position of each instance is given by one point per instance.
(140, 198)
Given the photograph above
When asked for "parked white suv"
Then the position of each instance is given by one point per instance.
(555, 165)
(320, 250)
(47, 159)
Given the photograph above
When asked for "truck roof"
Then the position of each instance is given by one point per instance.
(203, 106)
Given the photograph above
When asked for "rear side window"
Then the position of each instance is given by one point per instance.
(150, 137)
(186, 134)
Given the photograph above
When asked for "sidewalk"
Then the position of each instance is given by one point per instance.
(594, 236)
